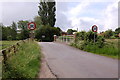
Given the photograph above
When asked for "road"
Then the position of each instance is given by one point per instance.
(68, 62)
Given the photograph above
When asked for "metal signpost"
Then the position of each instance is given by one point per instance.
(32, 27)
(94, 29)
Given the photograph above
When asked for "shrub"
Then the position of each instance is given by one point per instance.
(46, 33)
(100, 41)
(80, 35)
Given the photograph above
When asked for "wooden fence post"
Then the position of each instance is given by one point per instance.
(14, 48)
(4, 56)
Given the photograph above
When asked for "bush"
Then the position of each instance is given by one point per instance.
(89, 36)
(46, 33)
(100, 41)
(99, 47)
(80, 35)
(24, 34)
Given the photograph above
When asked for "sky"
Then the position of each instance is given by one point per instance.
(70, 14)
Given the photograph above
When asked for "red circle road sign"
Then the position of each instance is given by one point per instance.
(31, 25)
(94, 28)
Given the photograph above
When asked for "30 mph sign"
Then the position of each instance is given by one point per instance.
(94, 28)
(31, 25)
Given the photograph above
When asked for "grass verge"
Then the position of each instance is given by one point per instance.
(110, 49)
(25, 63)
(5, 44)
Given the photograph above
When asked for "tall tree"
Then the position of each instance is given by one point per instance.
(108, 33)
(24, 31)
(23, 24)
(51, 13)
(117, 31)
(14, 26)
(47, 12)
(14, 30)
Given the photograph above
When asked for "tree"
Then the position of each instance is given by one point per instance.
(24, 30)
(51, 13)
(14, 30)
(47, 12)
(59, 29)
(117, 31)
(108, 33)
(69, 31)
(46, 33)
(23, 24)
(37, 20)
(7, 33)
(1, 25)
(14, 26)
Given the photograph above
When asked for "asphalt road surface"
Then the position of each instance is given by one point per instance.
(68, 62)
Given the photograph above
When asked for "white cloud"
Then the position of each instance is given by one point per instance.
(85, 0)
(85, 23)
(15, 11)
(0, 12)
(67, 16)
(78, 9)
(111, 16)
(62, 20)
(19, 0)
(108, 19)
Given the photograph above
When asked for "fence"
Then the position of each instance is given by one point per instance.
(6, 53)
(65, 39)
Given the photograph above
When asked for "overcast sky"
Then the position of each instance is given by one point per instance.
(80, 14)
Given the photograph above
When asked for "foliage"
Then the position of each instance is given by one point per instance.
(70, 31)
(1, 25)
(89, 36)
(47, 12)
(80, 35)
(8, 33)
(23, 24)
(46, 33)
(14, 31)
(117, 31)
(6, 44)
(14, 26)
(38, 21)
(59, 29)
(24, 34)
(85, 41)
(109, 49)
(25, 63)
(108, 33)
(100, 41)
(24, 30)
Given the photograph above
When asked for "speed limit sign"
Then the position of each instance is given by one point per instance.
(94, 28)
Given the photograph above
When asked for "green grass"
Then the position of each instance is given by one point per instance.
(25, 63)
(5, 44)
(110, 49)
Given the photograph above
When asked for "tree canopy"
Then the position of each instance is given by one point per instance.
(47, 12)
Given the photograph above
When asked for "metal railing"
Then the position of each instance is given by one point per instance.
(65, 38)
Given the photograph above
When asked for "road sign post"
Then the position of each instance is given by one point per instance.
(94, 29)
(32, 27)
